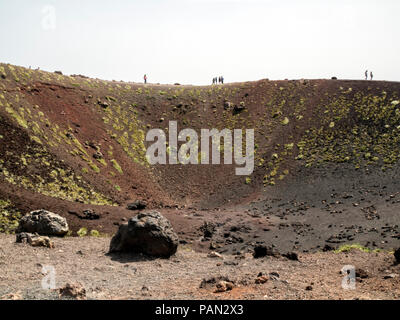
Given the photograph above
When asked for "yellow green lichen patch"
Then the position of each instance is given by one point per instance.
(116, 166)
(371, 135)
(37, 170)
(9, 216)
(94, 167)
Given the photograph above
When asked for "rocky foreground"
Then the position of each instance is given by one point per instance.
(92, 273)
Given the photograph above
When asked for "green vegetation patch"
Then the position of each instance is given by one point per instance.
(354, 246)
(9, 217)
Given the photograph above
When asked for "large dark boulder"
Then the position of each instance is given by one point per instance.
(43, 222)
(149, 233)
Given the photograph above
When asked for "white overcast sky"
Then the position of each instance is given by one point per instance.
(191, 41)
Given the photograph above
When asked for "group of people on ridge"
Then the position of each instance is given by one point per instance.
(218, 80)
(370, 74)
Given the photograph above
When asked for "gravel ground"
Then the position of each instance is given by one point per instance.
(85, 261)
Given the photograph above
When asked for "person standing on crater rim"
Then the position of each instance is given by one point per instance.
(222, 79)
(366, 75)
(145, 78)
(371, 75)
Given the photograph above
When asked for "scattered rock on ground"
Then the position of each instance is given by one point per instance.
(137, 205)
(227, 105)
(149, 233)
(44, 223)
(263, 251)
(361, 273)
(397, 255)
(261, 279)
(90, 215)
(291, 256)
(73, 290)
(327, 248)
(274, 275)
(238, 108)
(223, 286)
(208, 283)
(208, 229)
(34, 240)
(12, 296)
(214, 254)
(103, 104)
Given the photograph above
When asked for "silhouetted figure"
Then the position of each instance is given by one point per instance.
(366, 75)
(145, 78)
(371, 75)
(222, 79)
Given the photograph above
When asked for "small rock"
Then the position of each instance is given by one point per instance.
(262, 251)
(208, 229)
(231, 263)
(214, 254)
(238, 108)
(360, 273)
(90, 215)
(12, 296)
(98, 155)
(211, 282)
(390, 276)
(274, 275)
(41, 241)
(309, 288)
(223, 286)
(261, 279)
(397, 255)
(137, 205)
(291, 256)
(327, 247)
(103, 104)
(227, 105)
(74, 290)
(34, 240)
